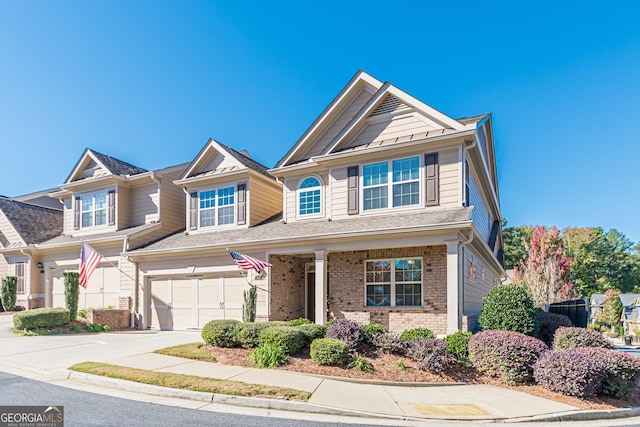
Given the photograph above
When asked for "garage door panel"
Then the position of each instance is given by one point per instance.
(182, 293)
(159, 310)
(209, 291)
(234, 288)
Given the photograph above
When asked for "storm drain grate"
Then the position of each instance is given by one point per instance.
(461, 410)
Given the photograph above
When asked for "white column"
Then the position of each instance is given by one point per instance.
(453, 289)
(48, 286)
(321, 287)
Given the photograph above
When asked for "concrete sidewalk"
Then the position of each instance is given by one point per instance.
(51, 355)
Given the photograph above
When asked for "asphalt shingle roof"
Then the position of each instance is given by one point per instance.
(33, 223)
(63, 239)
(301, 230)
(118, 167)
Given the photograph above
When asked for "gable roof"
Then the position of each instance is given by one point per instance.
(33, 223)
(40, 198)
(109, 164)
(200, 164)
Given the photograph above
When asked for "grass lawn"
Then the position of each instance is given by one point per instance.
(189, 382)
(188, 351)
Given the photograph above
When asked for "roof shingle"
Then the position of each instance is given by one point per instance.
(33, 223)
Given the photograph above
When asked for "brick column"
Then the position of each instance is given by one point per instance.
(321, 287)
(454, 291)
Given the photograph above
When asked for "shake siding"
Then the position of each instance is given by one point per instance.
(123, 206)
(391, 129)
(172, 206)
(478, 280)
(7, 229)
(480, 214)
(449, 182)
(264, 201)
(339, 123)
(144, 204)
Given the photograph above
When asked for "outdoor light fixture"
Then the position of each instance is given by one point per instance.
(258, 277)
(41, 267)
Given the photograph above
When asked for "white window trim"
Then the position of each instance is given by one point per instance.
(300, 190)
(393, 283)
(24, 263)
(93, 194)
(389, 184)
(234, 185)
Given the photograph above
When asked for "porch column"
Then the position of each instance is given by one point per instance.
(321, 287)
(48, 286)
(454, 291)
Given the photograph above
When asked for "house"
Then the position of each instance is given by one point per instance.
(385, 211)
(111, 205)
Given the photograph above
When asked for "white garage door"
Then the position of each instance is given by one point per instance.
(102, 290)
(191, 302)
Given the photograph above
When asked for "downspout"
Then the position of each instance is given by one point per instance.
(28, 254)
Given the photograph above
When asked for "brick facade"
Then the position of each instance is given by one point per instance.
(286, 299)
(116, 319)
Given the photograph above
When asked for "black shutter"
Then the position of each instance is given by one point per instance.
(112, 207)
(242, 204)
(193, 210)
(432, 184)
(353, 206)
(76, 214)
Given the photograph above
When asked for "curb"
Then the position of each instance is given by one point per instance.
(584, 415)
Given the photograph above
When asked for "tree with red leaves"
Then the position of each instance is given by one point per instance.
(546, 272)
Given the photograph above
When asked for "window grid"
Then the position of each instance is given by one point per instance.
(402, 175)
(309, 197)
(20, 276)
(394, 283)
(217, 207)
(93, 209)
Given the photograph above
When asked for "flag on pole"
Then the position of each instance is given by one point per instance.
(89, 260)
(245, 262)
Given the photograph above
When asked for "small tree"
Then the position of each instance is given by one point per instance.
(71, 291)
(612, 309)
(9, 292)
(249, 306)
(508, 308)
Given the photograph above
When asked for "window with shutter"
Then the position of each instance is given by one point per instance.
(432, 179)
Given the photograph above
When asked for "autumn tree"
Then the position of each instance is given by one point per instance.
(514, 239)
(546, 272)
(612, 308)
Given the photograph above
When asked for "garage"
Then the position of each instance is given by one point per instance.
(186, 302)
(102, 290)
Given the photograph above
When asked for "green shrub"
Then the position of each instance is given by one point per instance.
(82, 313)
(508, 308)
(329, 351)
(221, 333)
(458, 346)
(249, 306)
(40, 318)
(312, 331)
(9, 293)
(269, 355)
(359, 363)
(96, 327)
(300, 321)
(372, 330)
(248, 334)
(291, 339)
(75, 328)
(71, 291)
(415, 333)
(574, 337)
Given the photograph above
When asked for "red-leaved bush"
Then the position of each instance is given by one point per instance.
(430, 354)
(567, 338)
(506, 355)
(571, 372)
(347, 331)
(622, 371)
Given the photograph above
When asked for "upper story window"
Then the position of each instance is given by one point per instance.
(94, 209)
(217, 207)
(310, 197)
(394, 183)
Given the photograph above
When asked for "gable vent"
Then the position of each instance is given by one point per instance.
(389, 105)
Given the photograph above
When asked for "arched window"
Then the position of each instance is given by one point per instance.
(309, 197)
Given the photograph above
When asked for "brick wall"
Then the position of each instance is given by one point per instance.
(287, 286)
(116, 319)
(347, 291)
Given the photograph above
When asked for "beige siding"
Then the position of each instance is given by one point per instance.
(291, 188)
(264, 201)
(338, 124)
(338, 196)
(172, 202)
(7, 229)
(480, 215)
(123, 206)
(390, 129)
(67, 225)
(449, 179)
(144, 204)
(478, 280)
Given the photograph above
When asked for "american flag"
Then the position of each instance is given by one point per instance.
(245, 262)
(89, 260)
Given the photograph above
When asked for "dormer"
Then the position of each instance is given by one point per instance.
(226, 189)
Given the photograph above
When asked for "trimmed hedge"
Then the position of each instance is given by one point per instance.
(248, 334)
(329, 351)
(506, 355)
(312, 331)
(40, 318)
(548, 323)
(415, 333)
(300, 321)
(508, 308)
(71, 292)
(622, 371)
(290, 338)
(348, 331)
(574, 337)
(430, 354)
(221, 333)
(571, 372)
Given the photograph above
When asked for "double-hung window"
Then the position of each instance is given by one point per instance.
(20, 276)
(394, 183)
(394, 282)
(217, 207)
(309, 197)
(93, 209)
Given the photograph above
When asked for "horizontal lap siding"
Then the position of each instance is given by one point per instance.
(480, 214)
(339, 194)
(123, 206)
(67, 225)
(450, 181)
(172, 203)
(478, 279)
(144, 204)
(264, 201)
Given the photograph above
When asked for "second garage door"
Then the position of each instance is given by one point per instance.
(190, 302)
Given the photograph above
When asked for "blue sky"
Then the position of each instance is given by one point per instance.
(150, 81)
